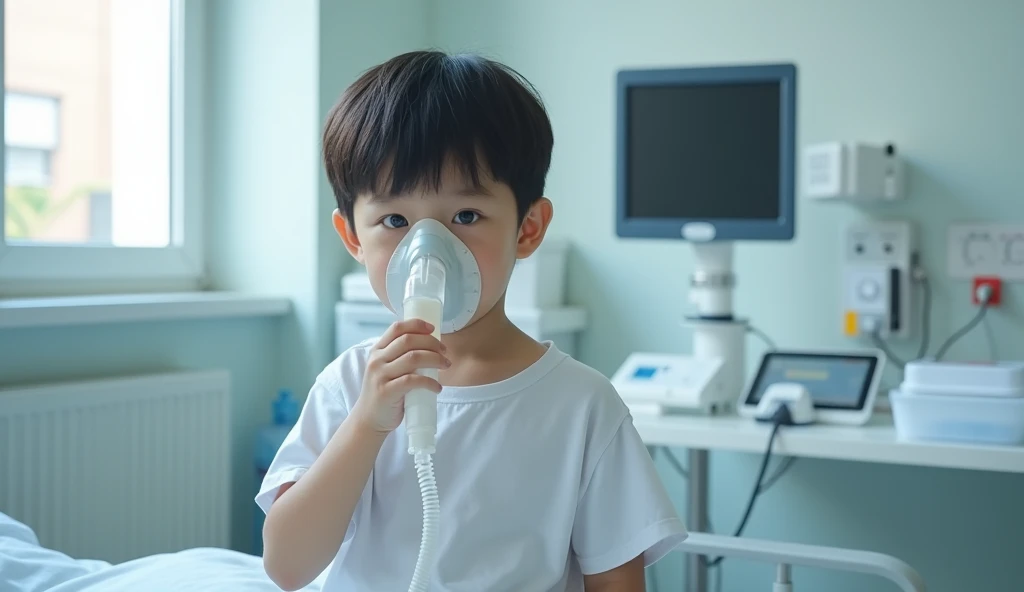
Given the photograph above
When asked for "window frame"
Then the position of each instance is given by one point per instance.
(56, 268)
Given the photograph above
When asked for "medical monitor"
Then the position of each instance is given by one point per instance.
(707, 153)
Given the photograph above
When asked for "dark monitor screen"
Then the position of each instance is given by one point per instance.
(707, 147)
(707, 151)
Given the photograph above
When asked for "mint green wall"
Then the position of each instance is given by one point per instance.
(246, 347)
(942, 79)
(353, 37)
(261, 180)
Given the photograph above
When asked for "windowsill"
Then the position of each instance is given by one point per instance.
(134, 308)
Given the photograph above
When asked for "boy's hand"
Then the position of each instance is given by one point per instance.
(405, 347)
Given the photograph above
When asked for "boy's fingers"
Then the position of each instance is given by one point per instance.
(411, 361)
(406, 383)
(410, 342)
(400, 328)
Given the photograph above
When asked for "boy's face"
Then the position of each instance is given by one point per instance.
(484, 218)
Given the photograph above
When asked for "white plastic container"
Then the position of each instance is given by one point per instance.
(958, 418)
(358, 321)
(999, 379)
(539, 280)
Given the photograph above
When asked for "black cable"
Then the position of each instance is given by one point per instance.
(780, 418)
(944, 348)
(779, 472)
(716, 569)
(763, 337)
(882, 345)
(926, 317)
(926, 325)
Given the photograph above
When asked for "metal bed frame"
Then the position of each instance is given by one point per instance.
(786, 555)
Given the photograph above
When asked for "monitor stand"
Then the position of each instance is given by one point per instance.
(717, 333)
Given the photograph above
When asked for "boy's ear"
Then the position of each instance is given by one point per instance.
(348, 235)
(533, 228)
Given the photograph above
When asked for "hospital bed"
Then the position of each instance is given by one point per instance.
(26, 566)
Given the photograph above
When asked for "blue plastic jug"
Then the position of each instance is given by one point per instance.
(285, 411)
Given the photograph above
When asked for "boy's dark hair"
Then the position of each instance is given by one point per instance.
(402, 121)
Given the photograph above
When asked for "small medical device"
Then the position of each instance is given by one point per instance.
(854, 172)
(705, 155)
(651, 383)
(979, 403)
(842, 385)
(877, 278)
(432, 276)
(793, 395)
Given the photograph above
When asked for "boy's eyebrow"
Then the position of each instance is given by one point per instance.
(474, 191)
(466, 191)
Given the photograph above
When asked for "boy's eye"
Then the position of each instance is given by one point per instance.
(394, 221)
(466, 217)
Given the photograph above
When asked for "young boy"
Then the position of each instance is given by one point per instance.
(543, 481)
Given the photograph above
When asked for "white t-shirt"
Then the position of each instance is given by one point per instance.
(541, 477)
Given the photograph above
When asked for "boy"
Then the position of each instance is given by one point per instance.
(543, 481)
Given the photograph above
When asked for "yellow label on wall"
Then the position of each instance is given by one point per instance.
(850, 327)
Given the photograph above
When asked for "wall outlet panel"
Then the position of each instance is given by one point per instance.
(986, 250)
(877, 287)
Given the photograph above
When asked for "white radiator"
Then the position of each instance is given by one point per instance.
(119, 468)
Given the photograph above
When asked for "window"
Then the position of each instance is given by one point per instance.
(100, 170)
(27, 167)
(30, 130)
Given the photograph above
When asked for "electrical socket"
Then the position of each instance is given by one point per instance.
(995, 286)
(877, 272)
(995, 250)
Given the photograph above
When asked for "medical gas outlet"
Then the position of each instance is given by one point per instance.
(877, 279)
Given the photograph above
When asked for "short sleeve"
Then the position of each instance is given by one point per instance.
(321, 415)
(624, 510)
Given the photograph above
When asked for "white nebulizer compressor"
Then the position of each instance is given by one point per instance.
(432, 276)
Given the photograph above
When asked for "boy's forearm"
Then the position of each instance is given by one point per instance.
(306, 525)
(628, 577)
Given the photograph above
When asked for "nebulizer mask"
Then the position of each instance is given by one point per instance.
(434, 277)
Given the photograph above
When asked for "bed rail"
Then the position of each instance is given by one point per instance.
(789, 554)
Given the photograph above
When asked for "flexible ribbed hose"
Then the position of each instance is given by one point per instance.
(431, 515)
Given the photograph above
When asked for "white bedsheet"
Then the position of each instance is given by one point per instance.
(25, 566)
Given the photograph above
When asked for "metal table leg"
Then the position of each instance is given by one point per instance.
(697, 519)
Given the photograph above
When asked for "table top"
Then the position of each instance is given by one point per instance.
(875, 442)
